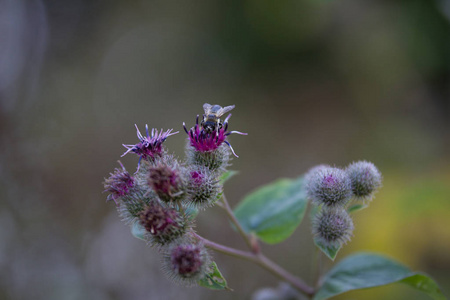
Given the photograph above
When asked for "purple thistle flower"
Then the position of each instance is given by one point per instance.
(164, 224)
(186, 259)
(149, 146)
(118, 184)
(204, 141)
(186, 262)
(165, 181)
(197, 177)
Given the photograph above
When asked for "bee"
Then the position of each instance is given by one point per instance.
(211, 119)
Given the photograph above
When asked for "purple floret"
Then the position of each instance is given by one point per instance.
(204, 141)
(149, 146)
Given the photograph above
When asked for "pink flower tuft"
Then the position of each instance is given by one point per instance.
(118, 184)
(204, 141)
(149, 146)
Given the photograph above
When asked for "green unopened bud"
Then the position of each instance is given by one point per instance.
(328, 186)
(204, 188)
(365, 178)
(332, 227)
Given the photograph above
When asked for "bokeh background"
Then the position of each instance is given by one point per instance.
(313, 81)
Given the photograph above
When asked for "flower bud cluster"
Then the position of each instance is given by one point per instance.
(161, 192)
(332, 190)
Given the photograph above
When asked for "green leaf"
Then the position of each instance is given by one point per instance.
(365, 270)
(226, 176)
(424, 283)
(138, 231)
(356, 207)
(330, 251)
(274, 211)
(214, 279)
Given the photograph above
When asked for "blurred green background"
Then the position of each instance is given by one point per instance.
(313, 81)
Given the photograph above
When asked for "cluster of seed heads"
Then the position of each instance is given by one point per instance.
(161, 195)
(333, 190)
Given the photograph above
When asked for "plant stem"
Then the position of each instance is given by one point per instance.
(261, 260)
(255, 256)
(225, 249)
(236, 223)
(281, 273)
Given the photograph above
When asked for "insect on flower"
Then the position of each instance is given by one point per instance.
(211, 119)
(211, 132)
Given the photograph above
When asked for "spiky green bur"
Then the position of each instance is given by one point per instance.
(332, 227)
(365, 179)
(328, 186)
(215, 160)
(204, 187)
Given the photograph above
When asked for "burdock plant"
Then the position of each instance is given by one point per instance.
(162, 198)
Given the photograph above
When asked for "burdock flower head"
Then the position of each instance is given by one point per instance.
(310, 174)
(163, 224)
(329, 186)
(149, 146)
(332, 227)
(118, 184)
(166, 180)
(203, 187)
(186, 262)
(366, 179)
(208, 140)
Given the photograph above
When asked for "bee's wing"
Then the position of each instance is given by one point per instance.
(207, 108)
(224, 110)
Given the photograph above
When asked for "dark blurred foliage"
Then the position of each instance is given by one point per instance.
(314, 81)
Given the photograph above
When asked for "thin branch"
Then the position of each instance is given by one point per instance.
(281, 273)
(226, 250)
(236, 223)
(261, 260)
